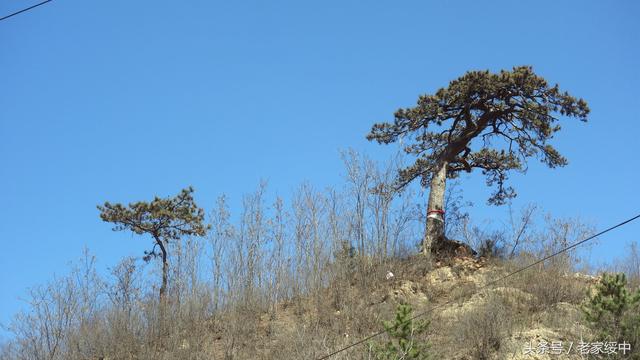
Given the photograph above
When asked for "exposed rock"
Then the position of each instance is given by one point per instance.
(408, 291)
(443, 274)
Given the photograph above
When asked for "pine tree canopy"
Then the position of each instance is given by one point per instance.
(482, 120)
(165, 219)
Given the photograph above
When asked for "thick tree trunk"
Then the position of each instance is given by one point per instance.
(165, 270)
(163, 288)
(434, 226)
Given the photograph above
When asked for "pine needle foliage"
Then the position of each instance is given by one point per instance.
(482, 120)
(405, 338)
(614, 312)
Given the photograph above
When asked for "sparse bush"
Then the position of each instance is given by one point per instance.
(481, 330)
(548, 284)
(630, 265)
(492, 246)
(552, 281)
(6, 351)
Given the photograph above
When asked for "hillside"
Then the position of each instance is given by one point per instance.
(304, 278)
(535, 314)
(499, 322)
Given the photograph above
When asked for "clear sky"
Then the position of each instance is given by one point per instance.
(122, 100)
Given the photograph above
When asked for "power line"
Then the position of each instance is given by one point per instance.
(25, 9)
(486, 285)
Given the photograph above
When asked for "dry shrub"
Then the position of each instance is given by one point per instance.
(552, 281)
(630, 265)
(549, 283)
(481, 329)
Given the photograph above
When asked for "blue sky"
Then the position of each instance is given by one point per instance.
(123, 100)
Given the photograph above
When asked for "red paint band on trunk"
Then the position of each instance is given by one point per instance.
(435, 211)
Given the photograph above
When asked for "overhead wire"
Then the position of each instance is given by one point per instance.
(24, 10)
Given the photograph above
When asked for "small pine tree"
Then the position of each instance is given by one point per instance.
(614, 313)
(166, 220)
(404, 338)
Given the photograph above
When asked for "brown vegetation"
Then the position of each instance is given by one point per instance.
(299, 281)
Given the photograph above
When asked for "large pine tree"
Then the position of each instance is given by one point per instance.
(492, 122)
